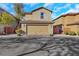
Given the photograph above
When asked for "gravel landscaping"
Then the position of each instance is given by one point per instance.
(42, 46)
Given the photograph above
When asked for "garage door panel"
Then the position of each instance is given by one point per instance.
(37, 30)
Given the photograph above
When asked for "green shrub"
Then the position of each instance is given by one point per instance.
(51, 34)
(67, 33)
(78, 33)
(70, 33)
(18, 32)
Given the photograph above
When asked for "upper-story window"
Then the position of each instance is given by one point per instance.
(42, 15)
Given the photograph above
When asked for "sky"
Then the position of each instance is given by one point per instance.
(57, 9)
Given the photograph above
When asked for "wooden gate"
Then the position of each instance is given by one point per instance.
(8, 30)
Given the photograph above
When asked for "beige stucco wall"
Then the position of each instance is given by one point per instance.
(58, 21)
(76, 18)
(23, 27)
(47, 15)
(28, 17)
(69, 28)
(50, 29)
(73, 27)
(67, 20)
(71, 19)
(36, 15)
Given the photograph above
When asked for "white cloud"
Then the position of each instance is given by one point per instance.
(67, 5)
(33, 4)
(4, 6)
(77, 6)
(12, 13)
(56, 9)
(47, 4)
(30, 4)
(53, 16)
(74, 10)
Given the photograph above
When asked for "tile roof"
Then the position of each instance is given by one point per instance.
(68, 14)
(38, 9)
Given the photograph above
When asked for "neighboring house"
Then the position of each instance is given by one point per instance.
(7, 28)
(37, 22)
(66, 23)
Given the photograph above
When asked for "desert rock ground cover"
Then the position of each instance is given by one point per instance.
(42, 46)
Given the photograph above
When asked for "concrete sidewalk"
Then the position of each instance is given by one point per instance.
(30, 36)
(63, 35)
(10, 36)
(24, 35)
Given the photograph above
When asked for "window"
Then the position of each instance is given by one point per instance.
(42, 15)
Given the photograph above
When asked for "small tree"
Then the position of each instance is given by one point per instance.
(6, 18)
(18, 7)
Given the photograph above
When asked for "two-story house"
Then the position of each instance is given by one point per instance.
(37, 22)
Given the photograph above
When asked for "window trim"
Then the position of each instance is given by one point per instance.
(42, 15)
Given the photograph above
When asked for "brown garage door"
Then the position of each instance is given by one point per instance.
(37, 30)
